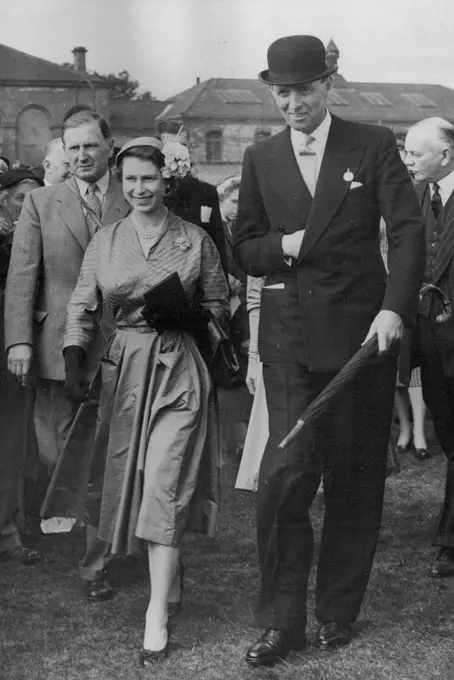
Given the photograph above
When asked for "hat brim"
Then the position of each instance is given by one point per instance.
(293, 78)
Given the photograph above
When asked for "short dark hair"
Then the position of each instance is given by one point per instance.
(6, 161)
(77, 108)
(144, 153)
(84, 116)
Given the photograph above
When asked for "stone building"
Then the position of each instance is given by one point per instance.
(224, 115)
(35, 95)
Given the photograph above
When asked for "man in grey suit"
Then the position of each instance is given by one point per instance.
(53, 231)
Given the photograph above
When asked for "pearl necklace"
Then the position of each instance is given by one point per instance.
(151, 232)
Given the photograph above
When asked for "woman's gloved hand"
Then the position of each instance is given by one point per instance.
(74, 388)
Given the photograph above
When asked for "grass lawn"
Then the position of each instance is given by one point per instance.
(405, 632)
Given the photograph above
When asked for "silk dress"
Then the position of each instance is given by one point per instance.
(154, 464)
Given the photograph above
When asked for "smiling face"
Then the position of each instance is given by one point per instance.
(303, 106)
(87, 151)
(143, 184)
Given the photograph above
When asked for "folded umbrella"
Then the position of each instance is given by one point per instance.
(346, 375)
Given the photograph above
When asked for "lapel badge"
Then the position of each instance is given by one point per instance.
(348, 175)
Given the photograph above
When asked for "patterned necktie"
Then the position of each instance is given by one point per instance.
(94, 204)
(308, 163)
(436, 202)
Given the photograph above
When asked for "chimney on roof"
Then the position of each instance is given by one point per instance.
(332, 54)
(79, 59)
(197, 81)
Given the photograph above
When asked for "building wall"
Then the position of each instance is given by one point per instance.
(31, 116)
(236, 137)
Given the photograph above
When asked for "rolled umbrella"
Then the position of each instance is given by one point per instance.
(71, 473)
(345, 376)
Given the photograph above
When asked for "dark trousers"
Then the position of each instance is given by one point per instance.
(438, 393)
(347, 447)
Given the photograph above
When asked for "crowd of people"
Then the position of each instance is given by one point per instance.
(154, 324)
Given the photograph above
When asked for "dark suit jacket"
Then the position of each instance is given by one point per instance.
(191, 194)
(338, 284)
(443, 334)
(48, 248)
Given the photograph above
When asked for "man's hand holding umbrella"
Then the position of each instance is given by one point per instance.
(388, 327)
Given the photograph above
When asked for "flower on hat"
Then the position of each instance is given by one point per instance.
(177, 160)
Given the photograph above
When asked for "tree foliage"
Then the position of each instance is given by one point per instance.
(123, 85)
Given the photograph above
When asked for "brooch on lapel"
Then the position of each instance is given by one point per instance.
(182, 242)
(348, 175)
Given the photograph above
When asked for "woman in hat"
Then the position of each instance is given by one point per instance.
(157, 427)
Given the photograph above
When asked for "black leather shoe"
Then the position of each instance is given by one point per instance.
(21, 555)
(99, 589)
(422, 454)
(149, 657)
(443, 567)
(273, 646)
(332, 634)
(403, 448)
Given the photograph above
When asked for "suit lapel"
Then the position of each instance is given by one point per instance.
(115, 207)
(446, 246)
(284, 175)
(341, 154)
(71, 213)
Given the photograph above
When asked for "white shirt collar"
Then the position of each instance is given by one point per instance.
(102, 184)
(446, 185)
(320, 134)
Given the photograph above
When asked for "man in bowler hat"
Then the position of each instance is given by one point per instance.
(309, 210)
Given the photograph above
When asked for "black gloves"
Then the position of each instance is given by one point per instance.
(192, 321)
(74, 388)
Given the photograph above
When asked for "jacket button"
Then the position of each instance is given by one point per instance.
(281, 229)
(293, 294)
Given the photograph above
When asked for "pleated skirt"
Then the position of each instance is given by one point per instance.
(155, 470)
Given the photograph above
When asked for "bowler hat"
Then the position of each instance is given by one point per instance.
(295, 60)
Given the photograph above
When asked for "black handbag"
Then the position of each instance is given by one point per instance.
(221, 358)
(168, 308)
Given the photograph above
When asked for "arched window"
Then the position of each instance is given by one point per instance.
(213, 146)
(32, 135)
(261, 133)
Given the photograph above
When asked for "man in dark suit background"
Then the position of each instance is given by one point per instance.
(429, 157)
(310, 204)
(194, 199)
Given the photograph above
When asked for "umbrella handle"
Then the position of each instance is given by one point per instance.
(293, 432)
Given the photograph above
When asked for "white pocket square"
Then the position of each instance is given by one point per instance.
(355, 185)
(205, 213)
(275, 286)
